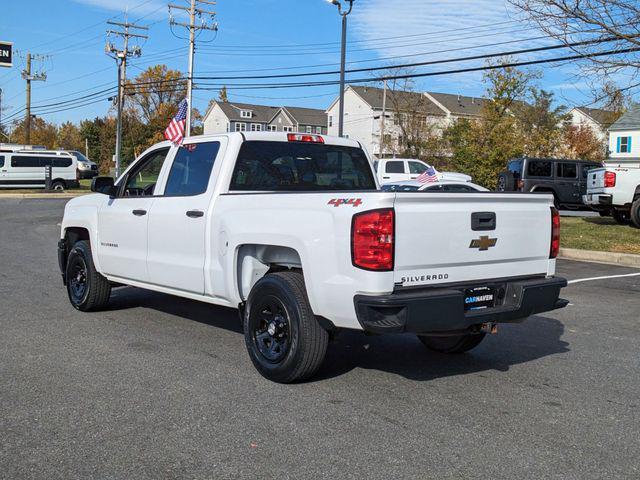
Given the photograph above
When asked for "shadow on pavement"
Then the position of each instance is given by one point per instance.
(403, 355)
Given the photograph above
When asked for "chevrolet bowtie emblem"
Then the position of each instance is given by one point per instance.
(483, 243)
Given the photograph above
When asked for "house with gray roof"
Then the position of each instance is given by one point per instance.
(430, 112)
(224, 117)
(624, 138)
(597, 119)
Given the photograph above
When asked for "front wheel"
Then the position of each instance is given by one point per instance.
(88, 290)
(284, 340)
(453, 344)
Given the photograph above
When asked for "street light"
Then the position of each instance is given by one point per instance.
(343, 13)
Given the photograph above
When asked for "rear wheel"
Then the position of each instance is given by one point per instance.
(88, 290)
(621, 217)
(284, 340)
(453, 344)
(634, 213)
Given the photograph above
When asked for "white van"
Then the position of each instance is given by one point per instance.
(26, 169)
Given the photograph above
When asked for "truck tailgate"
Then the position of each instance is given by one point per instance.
(595, 180)
(435, 241)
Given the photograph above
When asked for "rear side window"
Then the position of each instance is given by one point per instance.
(539, 168)
(567, 170)
(191, 169)
(1, 161)
(27, 162)
(306, 167)
(417, 167)
(394, 167)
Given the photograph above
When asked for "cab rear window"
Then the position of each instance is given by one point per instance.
(306, 167)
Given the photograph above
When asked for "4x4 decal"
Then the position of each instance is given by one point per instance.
(336, 202)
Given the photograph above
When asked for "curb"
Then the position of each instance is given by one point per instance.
(45, 196)
(611, 258)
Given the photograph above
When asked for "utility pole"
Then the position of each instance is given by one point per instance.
(29, 77)
(120, 56)
(384, 116)
(194, 11)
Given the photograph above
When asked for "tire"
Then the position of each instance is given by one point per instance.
(506, 182)
(58, 185)
(284, 340)
(88, 290)
(455, 344)
(635, 213)
(621, 217)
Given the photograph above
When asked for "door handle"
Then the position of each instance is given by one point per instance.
(139, 213)
(386, 178)
(195, 213)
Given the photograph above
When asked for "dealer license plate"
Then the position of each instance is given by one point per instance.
(479, 298)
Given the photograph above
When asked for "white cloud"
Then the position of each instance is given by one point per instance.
(468, 26)
(135, 8)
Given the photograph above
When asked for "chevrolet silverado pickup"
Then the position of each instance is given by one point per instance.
(293, 230)
(615, 190)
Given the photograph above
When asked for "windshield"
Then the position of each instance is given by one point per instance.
(280, 166)
(80, 157)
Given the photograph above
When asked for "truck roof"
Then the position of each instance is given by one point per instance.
(274, 137)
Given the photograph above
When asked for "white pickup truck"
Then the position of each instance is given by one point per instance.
(615, 190)
(293, 231)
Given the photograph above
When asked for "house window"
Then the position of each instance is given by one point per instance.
(245, 114)
(241, 127)
(309, 129)
(272, 128)
(256, 127)
(319, 130)
(331, 120)
(624, 145)
(287, 129)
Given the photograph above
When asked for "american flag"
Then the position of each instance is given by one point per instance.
(175, 131)
(430, 175)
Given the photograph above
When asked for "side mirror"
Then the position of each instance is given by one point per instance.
(104, 185)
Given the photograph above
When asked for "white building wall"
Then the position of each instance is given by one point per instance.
(215, 122)
(358, 120)
(578, 118)
(632, 155)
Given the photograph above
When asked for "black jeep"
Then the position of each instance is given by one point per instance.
(565, 179)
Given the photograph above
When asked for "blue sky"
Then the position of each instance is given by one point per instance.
(257, 36)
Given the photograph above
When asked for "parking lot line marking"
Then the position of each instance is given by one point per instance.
(578, 280)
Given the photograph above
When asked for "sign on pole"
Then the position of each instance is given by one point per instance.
(6, 54)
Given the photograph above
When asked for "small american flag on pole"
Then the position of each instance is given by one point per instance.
(175, 131)
(430, 175)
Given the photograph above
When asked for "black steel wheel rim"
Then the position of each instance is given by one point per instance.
(78, 280)
(271, 334)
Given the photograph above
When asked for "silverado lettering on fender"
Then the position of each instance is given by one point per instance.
(249, 221)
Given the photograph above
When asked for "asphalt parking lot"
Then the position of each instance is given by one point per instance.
(161, 387)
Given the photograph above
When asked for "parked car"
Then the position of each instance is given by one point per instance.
(615, 191)
(26, 169)
(293, 230)
(446, 186)
(394, 170)
(86, 168)
(566, 180)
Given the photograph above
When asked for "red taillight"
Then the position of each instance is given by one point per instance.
(305, 138)
(609, 179)
(555, 233)
(372, 240)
